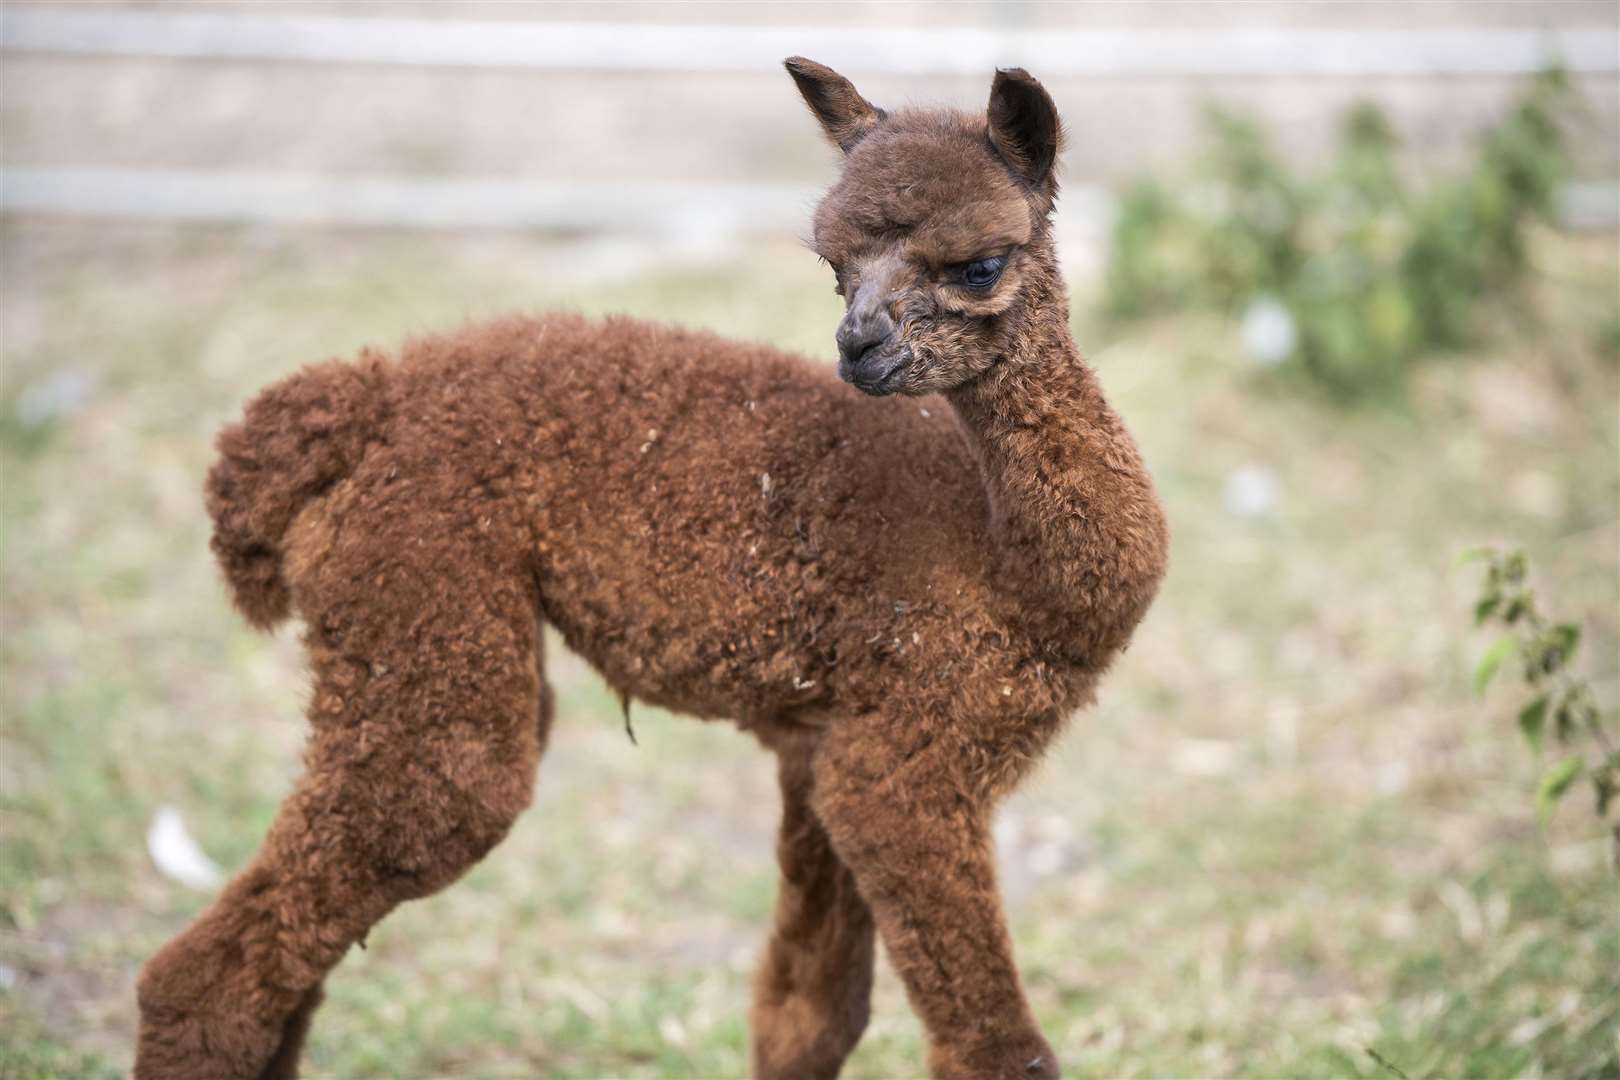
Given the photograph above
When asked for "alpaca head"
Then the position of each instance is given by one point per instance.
(937, 230)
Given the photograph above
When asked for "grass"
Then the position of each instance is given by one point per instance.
(1287, 837)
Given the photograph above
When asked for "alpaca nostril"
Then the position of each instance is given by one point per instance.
(862, 335)
(856, 349)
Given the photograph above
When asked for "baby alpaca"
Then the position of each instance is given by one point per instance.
(902, 596)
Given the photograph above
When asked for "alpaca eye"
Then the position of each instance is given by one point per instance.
(983, 273)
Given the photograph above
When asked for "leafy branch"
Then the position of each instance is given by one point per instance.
(1560, 702)
(1346, 276)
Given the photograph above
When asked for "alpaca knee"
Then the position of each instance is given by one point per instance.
(418, 810)
(421, 849)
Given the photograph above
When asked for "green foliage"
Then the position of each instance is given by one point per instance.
(1372, 275)
(1299, 911)
(1608, 336)
(1559, 698)
(28, 1053)
(1445, 1014)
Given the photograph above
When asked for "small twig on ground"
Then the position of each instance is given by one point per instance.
(1386, 1063)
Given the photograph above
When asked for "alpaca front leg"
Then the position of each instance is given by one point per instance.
(813, 994)
(920, 848)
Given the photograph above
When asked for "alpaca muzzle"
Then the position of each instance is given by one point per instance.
(871, 355)
(879, 369)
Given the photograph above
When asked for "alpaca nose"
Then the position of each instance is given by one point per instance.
(861, 334)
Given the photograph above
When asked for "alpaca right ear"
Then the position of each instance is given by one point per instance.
(1024, 128)
(845, 116)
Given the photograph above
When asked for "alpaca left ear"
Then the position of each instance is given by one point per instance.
(845, 116)
(1024, 128)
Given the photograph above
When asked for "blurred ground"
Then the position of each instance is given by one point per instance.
(1288, 832)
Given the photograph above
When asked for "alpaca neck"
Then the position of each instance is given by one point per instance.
(1079, 537)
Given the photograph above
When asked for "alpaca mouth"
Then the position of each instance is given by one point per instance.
(880, 378)
(881, 387)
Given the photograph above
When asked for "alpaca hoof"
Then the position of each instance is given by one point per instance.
(1041, 1065)
(1021, 1059)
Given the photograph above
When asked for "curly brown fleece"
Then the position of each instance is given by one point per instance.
(902, 597)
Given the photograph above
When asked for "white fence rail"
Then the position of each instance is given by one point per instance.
(938, 50)
(682, 210)
(412, 202)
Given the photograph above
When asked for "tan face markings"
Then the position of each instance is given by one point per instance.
(886, 271)
(928, 190)
(920, 199)
(930, 179)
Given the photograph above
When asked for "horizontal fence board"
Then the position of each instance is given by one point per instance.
(687, 210)
(937, 50)
(283, 198)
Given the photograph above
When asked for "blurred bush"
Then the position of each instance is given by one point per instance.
(1344, 278)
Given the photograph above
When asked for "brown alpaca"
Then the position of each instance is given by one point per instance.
(902, 598)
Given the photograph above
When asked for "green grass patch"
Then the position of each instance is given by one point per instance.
(1288, 834)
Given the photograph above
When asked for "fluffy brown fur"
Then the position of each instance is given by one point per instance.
(903, 598)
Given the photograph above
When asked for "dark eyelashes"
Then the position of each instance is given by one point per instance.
(981, 274)
(978, 275)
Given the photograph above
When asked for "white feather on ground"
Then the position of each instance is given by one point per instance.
(177, 856)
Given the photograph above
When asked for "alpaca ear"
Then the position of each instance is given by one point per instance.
(1024, 128)
(845, 116)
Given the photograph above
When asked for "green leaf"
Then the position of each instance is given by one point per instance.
(1488, 664)
(1486, 607)
(1606, 782)
(1557, 783)
(1545, 658)
(1586, 711)
(1564, 719)
(1566, 638)
(1474, 554)
(1531, 720)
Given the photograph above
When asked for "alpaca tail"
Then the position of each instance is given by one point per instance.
(295, 441)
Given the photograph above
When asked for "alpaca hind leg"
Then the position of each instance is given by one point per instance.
(423, 754)
(919, 845)
(283, 1064)
(813, 993)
